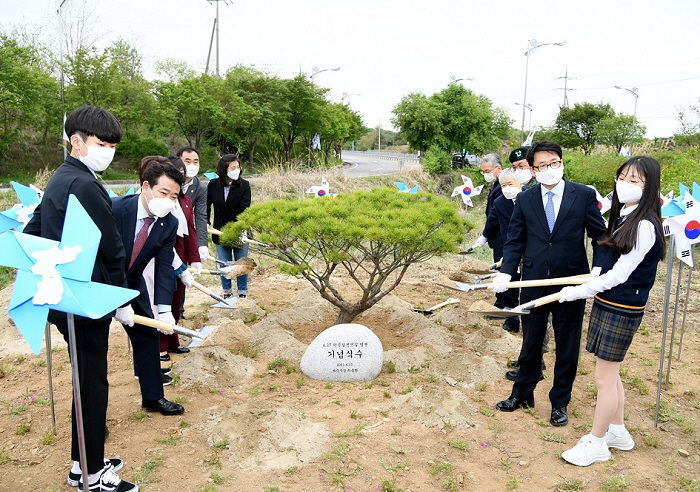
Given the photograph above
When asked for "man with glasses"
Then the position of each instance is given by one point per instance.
(547, 232)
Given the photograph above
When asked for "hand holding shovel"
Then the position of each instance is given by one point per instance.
(575, 280)
(482, 307)
(160, 325)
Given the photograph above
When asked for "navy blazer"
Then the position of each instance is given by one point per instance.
(560, 253)
(501, 212)
(491, 231)
(159, 245)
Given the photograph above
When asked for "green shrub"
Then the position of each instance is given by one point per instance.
(436, 161)
(133, 147)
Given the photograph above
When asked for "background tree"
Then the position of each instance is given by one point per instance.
(419, 120)
(576, 126)
(371, 235)
(619, 129)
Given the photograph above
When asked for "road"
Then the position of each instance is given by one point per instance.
(377, 163)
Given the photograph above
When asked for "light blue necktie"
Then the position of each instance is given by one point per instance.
(549, 211)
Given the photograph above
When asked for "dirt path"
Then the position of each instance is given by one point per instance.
(430, 425)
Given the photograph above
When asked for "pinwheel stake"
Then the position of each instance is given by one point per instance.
(56, 275)
(48, 366)
(664, 323)
(685, 305)
(673, 325)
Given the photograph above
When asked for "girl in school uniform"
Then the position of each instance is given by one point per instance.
(634, 244)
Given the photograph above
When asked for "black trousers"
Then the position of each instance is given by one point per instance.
(91, 340)
(146, 345)
(567, 319)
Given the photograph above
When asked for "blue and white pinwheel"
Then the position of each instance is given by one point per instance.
(404, 189)
(18, 216)
(211, 175)
(685, 227)
(467, 191)
(56, 275)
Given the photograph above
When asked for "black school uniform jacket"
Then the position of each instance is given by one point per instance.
(562, 252)
(228, 210)
(73, 177)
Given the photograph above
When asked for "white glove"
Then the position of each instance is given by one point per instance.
(574, 293)
(595, 271)
(479, 242)
(197, 267)
(125, 315)
(499, 282)
(186, 278)
(203, 252)
(166, 317)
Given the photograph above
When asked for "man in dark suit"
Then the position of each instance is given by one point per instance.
(93, 133)
(491, 167)
(547, 231)
(148, 230)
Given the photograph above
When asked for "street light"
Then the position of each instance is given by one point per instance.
(529, 121)
(531, 46)
(635, 92)
(315, 71)
(454, 80)
(346, 95)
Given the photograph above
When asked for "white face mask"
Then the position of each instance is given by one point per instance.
(489, 177)
(234, 174)
(191, 170)
(627, 192)
(97, 158)
(523, 176)
(160, 206)
(550, 177)
(510, 191)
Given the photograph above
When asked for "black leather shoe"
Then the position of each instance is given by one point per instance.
(559, 417)
(163, 406)
(165, 358)
(165, 370)
(511, 375)
(512, 328)
(179, 350)
(512, 404)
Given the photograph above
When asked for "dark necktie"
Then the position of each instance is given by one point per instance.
(140, 239)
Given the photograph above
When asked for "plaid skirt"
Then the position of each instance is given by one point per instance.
(610, 334)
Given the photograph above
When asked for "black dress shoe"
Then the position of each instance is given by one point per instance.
(511, 375)
(559, 417)
(512, 404)
(165, 358)
(179, 350)
(163, 406)
(165, 370)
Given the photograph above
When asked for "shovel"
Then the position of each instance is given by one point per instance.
(484, 277)
(244, 238)
(495, 266)
(160, 325)
(577, 279)
(222, 302)
(467, 252)
(431, 310)
(242, 266)
(517, 310)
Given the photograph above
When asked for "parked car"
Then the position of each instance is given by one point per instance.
(467, 160)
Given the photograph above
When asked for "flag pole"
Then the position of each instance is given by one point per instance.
(664, 323)
(673, 325)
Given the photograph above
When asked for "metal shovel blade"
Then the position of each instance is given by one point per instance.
(502, 313)
(203, 333)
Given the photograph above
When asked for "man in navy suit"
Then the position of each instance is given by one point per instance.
(148, 230)
(547, 231)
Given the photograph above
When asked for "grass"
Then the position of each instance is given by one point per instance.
(138, 415)
(569, 484)
(338, 452)
(512, 483)
(480, 386)
(16, 409)
(299, 382)
(23, 428)
(441, 467)
(170, 440)
(292, 470)
(49, 439)
(406, 390)
(354, 415)
(458, 444)
(217, 479)
(4, 458)
(222, 444)
(271, 488)
(7, 276)
(552, 437)
(690, 484)
(390, 367)
(280, 363)
(143, 475)
(487, 412)
(652, 441)
(612, 484)
(254, 390)
(354, 431)
(244, 350)
(213, 460)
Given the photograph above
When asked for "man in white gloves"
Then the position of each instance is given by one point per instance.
(148, 230)
(547, 231)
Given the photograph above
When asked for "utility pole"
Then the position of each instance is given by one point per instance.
(215, 30)
(565, 89)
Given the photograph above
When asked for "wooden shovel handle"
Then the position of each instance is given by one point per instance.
(199, 286)
(158, 325)
(204, 270)
(445, 303)
(547, 299)
(215, 232)
(575, 280)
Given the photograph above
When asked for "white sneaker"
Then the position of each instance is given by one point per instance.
(110, 482)
(587, 452)
(624, 443)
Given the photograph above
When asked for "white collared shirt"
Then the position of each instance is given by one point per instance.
(148, 274)
(558, 191)
(141, 214)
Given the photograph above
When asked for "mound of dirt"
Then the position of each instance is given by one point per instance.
(404, 360)
(434, 406)
(214, 367)
(468, 269)
(398, 326)
(265, 436)
(245, 309)
(272, 340)
(228, 334)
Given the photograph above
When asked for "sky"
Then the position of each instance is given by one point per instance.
(387, 49)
